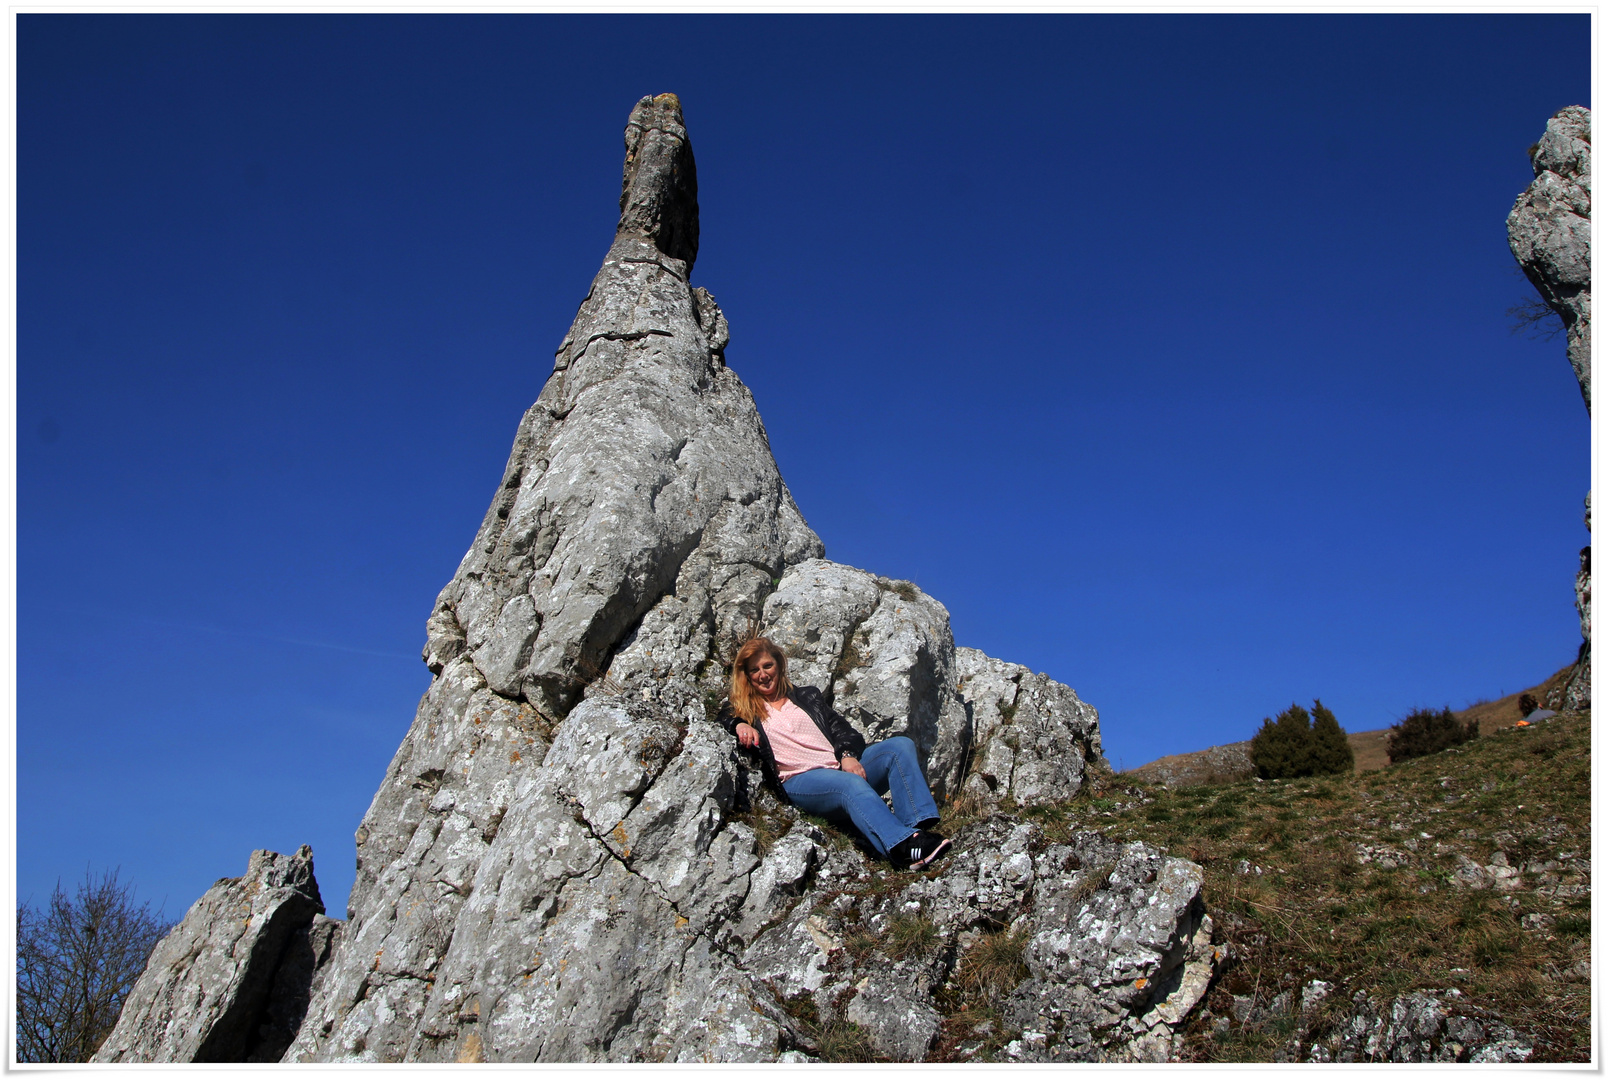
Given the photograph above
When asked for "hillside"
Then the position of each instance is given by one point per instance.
(1231, 761)
(1455, 885)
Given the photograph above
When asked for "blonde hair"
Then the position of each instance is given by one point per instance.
(746, 702)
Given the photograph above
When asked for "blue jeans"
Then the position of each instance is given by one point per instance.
(890, 766)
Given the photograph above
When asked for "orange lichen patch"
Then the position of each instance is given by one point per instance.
(622, 839)
(1139, 984)
(471, 1053)
(681, 921)
(513, 757)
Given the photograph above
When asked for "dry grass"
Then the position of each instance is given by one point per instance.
(1092, 880)
(991, 968)
(829, 1040)
(851, 659)
(910, 935)
(972, 1028)
(842, 1040)
(904, 590)
(1505, 712)
(1357, 882)
(769, 819)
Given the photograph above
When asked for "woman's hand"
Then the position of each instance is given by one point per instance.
(747, 736)
(850, 765)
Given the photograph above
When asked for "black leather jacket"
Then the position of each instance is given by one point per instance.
(838, 732)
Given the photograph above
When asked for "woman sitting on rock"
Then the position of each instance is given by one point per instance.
(822, 765)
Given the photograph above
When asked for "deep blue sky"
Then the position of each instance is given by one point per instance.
(1169, 352)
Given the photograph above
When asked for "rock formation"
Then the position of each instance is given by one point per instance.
(1419, 1026)
(1549, 231)
(231, 981)
(568, 860)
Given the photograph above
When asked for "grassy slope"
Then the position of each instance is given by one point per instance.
(1317, 910)
(1202, 766)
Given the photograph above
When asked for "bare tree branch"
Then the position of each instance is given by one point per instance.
(77, 959)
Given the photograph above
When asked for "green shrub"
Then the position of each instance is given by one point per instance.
(1331, 750)
(1425, 731)
(1294, 745)
(1283, 747)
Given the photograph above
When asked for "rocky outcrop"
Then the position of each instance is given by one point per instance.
(641, 509)
(883, 652)
(1225, 764)
(568, 860)
(1422, 1026)
(232, 980)
(1032, 739)
(639, 524)
(1549, 232)
(1111, 944)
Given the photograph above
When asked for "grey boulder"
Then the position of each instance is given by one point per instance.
(883, 652)
(1033, 739)
(229, 983)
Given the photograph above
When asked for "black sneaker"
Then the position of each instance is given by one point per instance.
(919, 850)
(936, 845)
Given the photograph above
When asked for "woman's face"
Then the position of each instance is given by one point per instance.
(762, 674)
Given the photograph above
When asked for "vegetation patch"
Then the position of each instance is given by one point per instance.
(911, 936)
(904, 590)
(1301, 744)
(1424, 731)
(992, 967)
(1464, 869)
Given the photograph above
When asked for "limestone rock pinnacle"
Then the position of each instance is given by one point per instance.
(1549, 231)
(563, 861)
(659, 194)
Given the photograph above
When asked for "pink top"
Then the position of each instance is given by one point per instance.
(795, 742)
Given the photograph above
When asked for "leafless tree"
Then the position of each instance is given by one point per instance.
(1533, 316)
(77, 959)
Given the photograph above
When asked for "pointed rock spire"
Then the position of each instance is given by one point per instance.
(641, 482)
(637, 529)
(659, 194)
